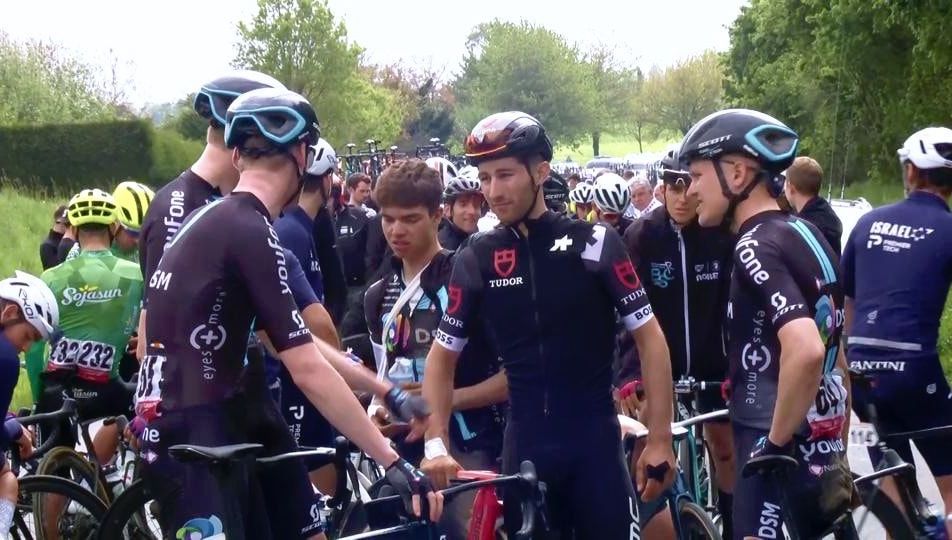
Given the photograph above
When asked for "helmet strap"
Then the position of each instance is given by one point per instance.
(733, 199)
(535, 194)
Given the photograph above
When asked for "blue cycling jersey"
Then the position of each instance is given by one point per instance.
(897, 266)
(303, 297)
(296, 230)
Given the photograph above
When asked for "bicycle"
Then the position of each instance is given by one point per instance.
(694, 455)
(691, 521)
(79, 513)
(916, 518)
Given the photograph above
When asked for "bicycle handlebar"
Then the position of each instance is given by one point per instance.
(66, 410)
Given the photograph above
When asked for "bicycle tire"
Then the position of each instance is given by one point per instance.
(695, 523)
(85, 510)
(61, 459)
(124, 520)
(892, 519)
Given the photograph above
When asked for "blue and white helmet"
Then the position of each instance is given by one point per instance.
(611, 193)
(325, 158)
(582, 194)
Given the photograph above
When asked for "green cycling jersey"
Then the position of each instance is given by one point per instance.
(132, 255)
(99, 297)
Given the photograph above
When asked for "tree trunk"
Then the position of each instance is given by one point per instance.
(640, 149)
(596, 137)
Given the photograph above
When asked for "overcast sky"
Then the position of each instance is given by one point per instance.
(165, 49)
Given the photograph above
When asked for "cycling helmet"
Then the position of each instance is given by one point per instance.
(35, 299)
(742, 131)
(283, 117)
(611, 193)
(214, 97)
(91, 206)
(443, 166)
(458, 186)
(469, 172)
(507, 134)
(929, 148)
(554, 191)
(325, 158)
(582, 194)
(132, 200)
(671, 170)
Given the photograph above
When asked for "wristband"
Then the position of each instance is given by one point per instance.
(434, 448)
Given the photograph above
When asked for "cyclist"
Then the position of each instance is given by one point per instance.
(802, 189)
(193, 387)
(50, 245)
(403, 312)
(896, 267)
(132, 202)
(611, 194)
(685, 271)
(352, 229)
(555, 193)
(789, 394)
(582, 198)
(443, 166)
(28, 314)
(210, 176)
(522, 281)
(99, 295)
(463, 206)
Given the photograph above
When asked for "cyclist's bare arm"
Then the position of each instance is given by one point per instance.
(326, 389)
(320, 324)
(844, 368)
(801, 364)
(656, 370)
(491, 391)
(438, 389)
(140, 345)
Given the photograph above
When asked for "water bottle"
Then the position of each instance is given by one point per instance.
(114, 480)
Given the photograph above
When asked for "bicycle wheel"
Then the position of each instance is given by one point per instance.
(876, 506)
(695, 523)
(132, 516)
(76, 515)
(71, 465)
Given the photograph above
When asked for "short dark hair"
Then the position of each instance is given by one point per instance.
(93, 227)
(409, 183)
(356, 179)
(313, 183)
(574, 176)
(59, 213)
(940, 178)
(806, 175)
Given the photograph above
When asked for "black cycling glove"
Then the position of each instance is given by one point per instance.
(408, 481)
(406, 406)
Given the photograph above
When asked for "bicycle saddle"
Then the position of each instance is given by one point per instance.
(769, 464)
(191, 453)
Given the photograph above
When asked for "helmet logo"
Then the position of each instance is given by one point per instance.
(713, 141)
(504, 262)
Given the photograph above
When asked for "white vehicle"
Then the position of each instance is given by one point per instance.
(849, 211)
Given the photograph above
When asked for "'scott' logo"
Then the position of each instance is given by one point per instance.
(504, 262)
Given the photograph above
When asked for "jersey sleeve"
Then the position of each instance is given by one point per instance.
(848, 265)
(773, 280)
(606, 255)
(464, 292)
(301, 290)
(261, 263)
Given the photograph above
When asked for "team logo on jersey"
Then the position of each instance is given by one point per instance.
(504, 262)
(662, 274)
(88, 294)
(626, 274)
(891, 236)
(210, 528)
(455, 298)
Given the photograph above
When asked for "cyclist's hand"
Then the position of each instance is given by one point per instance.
(655, 469)
(411, 483)
(406, 406)
(25, 444)
(440, 470)
(414, 388)
(384, 422)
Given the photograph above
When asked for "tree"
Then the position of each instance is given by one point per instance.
(511, 66)
(300, 43)
(686, 92)
(614, 88)
(429, 103)
(185, 121)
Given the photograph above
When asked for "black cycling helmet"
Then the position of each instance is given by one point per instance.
(283, 117)
(507, 134)
(555, 190)
(672, 170)
(754, 134)
(214, 97)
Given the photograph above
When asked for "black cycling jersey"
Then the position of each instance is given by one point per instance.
(351, 226)
(224, 269)
(684, 270)
(548, 303)
(325, 244)
(167, 211)
(409, 337)
(783, 270)
(451, 236)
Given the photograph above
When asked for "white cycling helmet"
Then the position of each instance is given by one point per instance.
(611, 193)
(35, 299)
(582, 194)
(325, 158)
(458, 186)
(929, 148)
(469, 172)
(443, 166)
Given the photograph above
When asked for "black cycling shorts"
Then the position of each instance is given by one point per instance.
(914, 398)
(308, 426)
(277, 501)
(588, 489)
(819, 490)
(93, 401)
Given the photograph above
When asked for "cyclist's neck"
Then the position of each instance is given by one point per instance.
(311, 203)
(931, 190)
(267, 187)
(216, 168)
(412, 265)
(538, 209)
(757, 202)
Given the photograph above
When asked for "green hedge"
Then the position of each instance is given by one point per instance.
(62, 159)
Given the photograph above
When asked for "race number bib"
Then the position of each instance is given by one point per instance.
(828, 413)
(148, 394)
(93, 359)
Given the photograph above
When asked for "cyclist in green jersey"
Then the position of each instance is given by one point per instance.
(99, 296)
(132, 201)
